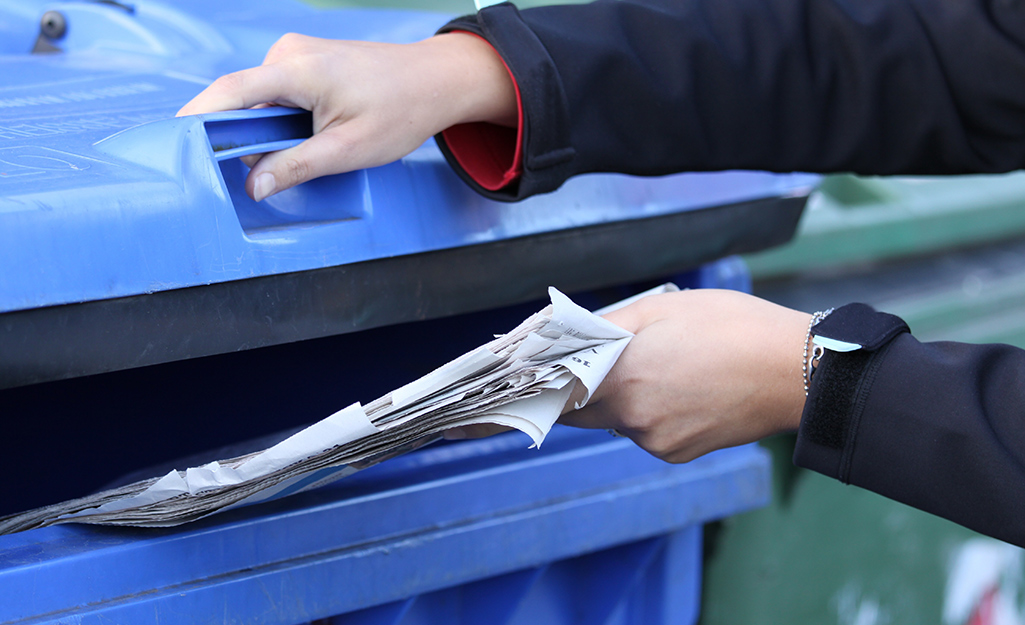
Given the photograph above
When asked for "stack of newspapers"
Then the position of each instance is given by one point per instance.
(521, 380)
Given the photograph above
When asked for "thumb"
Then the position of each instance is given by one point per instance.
(592, 415)
(322, 154)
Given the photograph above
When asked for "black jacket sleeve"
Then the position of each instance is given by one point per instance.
(869, 86)
(939, 426)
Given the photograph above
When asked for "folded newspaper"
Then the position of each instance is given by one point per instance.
(521, 380)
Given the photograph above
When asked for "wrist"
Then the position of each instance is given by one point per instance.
(471, 80)
(788, 396)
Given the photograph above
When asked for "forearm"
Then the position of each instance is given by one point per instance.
(938, 426)
(471, 83)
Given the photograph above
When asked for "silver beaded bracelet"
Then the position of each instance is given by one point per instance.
(808, 367)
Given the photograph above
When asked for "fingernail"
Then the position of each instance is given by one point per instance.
(264, 186)
(454, 435)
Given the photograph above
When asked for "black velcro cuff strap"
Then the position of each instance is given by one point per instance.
(842, 381)
(861, 324)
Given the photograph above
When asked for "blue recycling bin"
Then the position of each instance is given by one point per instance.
(149, 310)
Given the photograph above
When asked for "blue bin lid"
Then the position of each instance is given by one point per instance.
(126, 237)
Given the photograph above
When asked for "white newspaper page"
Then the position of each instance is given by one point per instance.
(521, 380)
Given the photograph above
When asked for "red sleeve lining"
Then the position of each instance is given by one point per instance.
(490, 154)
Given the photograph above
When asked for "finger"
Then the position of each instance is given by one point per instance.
(591, 416)
(577, 396)
(242, 90)
(251, 159)
(479, 430)
(289, 44)
(333, 151)
(634, 317)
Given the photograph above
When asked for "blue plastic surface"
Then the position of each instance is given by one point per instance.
(103, 194)
(590, 529)
(126, 209)
(456, 517)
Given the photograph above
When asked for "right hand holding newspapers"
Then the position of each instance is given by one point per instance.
(372, 103)
(706, 369)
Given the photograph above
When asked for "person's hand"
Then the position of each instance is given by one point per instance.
(707, 369)
(372, 103)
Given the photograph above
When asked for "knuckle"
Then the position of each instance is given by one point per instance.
(295, 170)
(644, 424)
(287, 44)
(651, 308)
(663, 450)
(230, 83)
(647, 420)
(341, 138)
(636, 421)
(675, 457)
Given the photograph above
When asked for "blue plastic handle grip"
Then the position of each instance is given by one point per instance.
(255, 131)
(256, 148)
